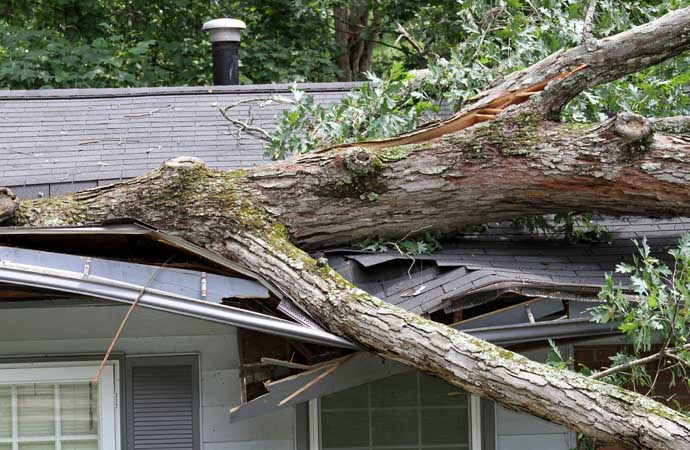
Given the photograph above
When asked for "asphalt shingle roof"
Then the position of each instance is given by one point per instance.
(58, 141)
(501, 255)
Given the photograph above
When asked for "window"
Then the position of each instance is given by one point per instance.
(49, 407)
(410, 411)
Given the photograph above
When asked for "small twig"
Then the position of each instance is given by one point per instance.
(119, 140)
(637, 362)
(125, 318)
(397, 247)
(150, 113)
(679, 359)
(406, 34)
(247, 125)
(244, 126)
(492, 16)
(327, 372)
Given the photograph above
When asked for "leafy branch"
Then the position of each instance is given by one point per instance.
(660, 311)
(573, 226)
(424, 244)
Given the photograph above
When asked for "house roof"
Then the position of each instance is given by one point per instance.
(58, 141)
(32, 265)
(478, 267)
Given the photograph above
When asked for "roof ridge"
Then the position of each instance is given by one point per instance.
(77, 93)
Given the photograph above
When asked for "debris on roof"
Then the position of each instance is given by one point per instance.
(479, 268)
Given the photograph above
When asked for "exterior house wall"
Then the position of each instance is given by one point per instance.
(50, 331)
(597, 357)
(520, 431)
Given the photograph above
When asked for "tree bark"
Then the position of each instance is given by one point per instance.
(517, 163)
(355, 48)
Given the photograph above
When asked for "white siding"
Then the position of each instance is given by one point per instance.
(89, 329)
(519, 431)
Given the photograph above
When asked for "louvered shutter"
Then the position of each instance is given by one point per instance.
(163, 404)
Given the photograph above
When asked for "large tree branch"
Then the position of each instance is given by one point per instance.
(563, 75)
(607, 59)
(219, 211)
(517, 165)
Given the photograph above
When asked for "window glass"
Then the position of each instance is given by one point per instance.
(46, 416)
(396, 391)
(410, 411)
(5, 414)
(78, 407)
(356, 397)
(394, 427)
(345, 429)
(35, 410)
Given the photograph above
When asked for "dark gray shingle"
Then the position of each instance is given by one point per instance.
(89, 135)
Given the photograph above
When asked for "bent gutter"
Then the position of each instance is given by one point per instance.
(108, 289)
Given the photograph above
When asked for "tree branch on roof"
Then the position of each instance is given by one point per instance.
(512, 162)
(246, 125)
(8, 203)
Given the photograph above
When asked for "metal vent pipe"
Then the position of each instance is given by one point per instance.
(224, 35)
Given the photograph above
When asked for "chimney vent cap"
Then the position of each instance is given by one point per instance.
(224, 30)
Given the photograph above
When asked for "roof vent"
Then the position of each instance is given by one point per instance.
(224, 35)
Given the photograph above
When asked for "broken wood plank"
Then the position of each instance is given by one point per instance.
(280, 362)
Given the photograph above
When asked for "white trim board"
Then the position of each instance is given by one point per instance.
(108, 389)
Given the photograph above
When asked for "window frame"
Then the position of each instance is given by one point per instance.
(475, 425)
(75, 371)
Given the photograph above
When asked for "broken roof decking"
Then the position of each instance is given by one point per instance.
(362, 367)
(181, 291)
(59, 141)
(502, 258)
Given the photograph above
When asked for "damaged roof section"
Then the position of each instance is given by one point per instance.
(480, 268)
(504, 286)
(218, 292)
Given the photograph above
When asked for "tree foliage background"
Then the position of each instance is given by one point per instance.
(127, 43)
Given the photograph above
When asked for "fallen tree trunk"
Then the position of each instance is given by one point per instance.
(517, 163)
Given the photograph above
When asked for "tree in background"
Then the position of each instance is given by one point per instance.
(126, 43)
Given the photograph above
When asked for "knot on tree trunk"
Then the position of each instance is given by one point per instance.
(8, 203)
(184, 163)
(361, 161)
(632, 127)
(634, 133)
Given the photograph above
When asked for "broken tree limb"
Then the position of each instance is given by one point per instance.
(607, 59)
(517, 163)
(564, 75)
(459, 122)
(509, 167)
(217, 210)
